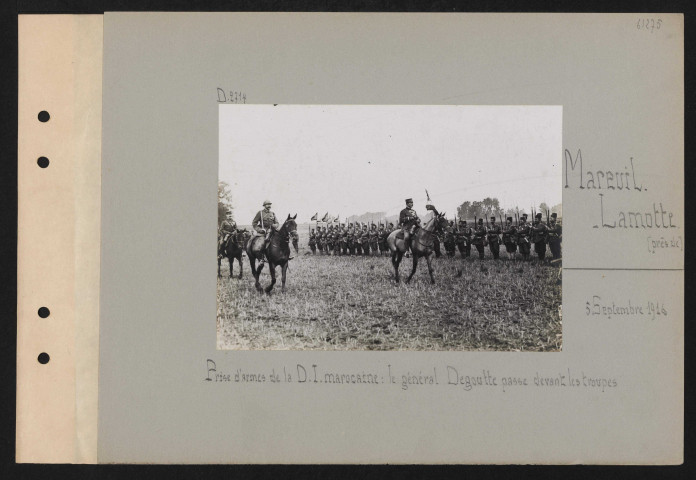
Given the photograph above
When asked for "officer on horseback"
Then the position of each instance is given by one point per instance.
(409, 221)
(227, 228)
(265, 223)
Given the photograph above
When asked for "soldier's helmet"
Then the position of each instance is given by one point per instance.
(509, 219)
(538, 216)
(480, 221)
(493, 218)
(554, 215)
(267, 202)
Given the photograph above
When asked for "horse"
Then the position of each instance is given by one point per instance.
(233, 248)
(277, 254)
(422, 245)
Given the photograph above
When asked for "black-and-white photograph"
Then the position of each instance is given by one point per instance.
(389, 227)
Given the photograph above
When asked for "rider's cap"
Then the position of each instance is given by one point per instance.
(538, 215)
(267, 202)
(409, 200)
(554, 215)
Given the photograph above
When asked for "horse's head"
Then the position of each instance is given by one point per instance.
(441, 222)
(289, 225)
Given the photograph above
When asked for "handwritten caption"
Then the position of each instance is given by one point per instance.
(613, 188)
(230, 96)
(599, 307)
(389, 376)
(649, 24)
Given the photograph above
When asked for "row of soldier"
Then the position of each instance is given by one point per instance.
(359, 239)
(354, 239)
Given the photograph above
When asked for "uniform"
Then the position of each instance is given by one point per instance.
(374, 239)
(313, 242)
(449, 240)
(510, 237)
(494, 239)
(227, 228)
(479, 240)
(408, 221)
(554, 236)
(463, 239)
(265, 222)
(523, 243)
(539, 232)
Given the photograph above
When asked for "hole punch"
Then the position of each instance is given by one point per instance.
(43, 358)
(44, 116)
(44, 312)
(42, 162)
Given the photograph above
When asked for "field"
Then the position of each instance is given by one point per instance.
(353, 303)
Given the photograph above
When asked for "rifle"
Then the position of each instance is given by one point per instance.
(548, 222)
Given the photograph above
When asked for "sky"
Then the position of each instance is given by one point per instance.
(352, 159)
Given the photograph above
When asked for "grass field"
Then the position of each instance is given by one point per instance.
(353, 303)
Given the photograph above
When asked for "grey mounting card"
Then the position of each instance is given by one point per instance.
(580, 112)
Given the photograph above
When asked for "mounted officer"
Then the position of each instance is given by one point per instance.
(409, 221)
(265, 223)
(227, 228)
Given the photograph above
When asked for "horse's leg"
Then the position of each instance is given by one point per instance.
(230, 260)
(219, 261)
(395, 263)
(239, 259)
(257, 276)
(271, 267)
(428, 258)
(284, 269)
(413, 269)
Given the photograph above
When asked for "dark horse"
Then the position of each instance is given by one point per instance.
(278, 252)
(232, 249)
(422, 245)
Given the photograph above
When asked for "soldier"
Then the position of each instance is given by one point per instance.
(227, 228)
(463, 239)
(408, 221)
(479, 239)
(382, 235)
(555, 233)
(366, 239)
(374, 239)
(313, 241)
(539, 234)
(265, 223)
(493, 238)
(523, 238)
(449, 239)
(510, 237)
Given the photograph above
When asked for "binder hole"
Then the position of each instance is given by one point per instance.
(44, 312)
(43, 162)
(43, 358)
(44, 116)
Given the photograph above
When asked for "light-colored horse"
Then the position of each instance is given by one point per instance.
(422, 245)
